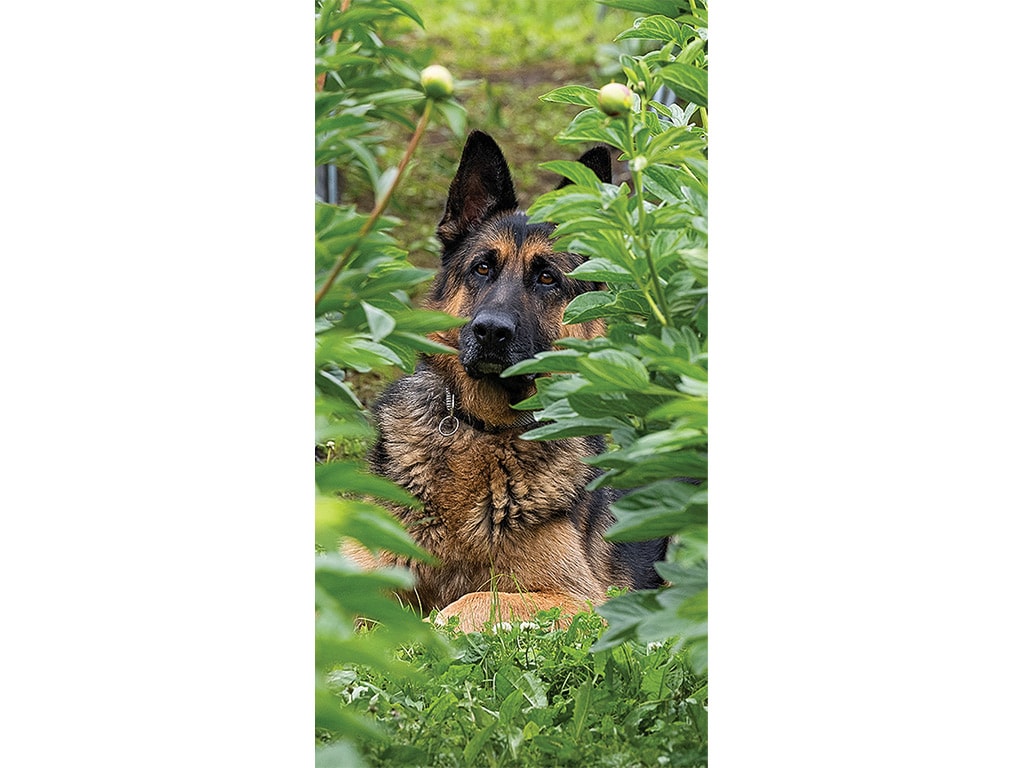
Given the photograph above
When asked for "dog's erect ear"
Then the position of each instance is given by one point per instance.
(482, 187)
(599, 160)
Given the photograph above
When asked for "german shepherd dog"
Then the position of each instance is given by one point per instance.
(510, 521)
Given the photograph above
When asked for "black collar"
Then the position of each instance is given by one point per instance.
(456, 416)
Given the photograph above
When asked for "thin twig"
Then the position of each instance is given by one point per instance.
(378, 209)
(657, 302)
(321, 79)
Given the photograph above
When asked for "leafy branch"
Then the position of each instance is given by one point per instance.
(380, 206)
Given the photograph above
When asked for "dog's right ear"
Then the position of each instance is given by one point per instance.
(599, 160)
(482, 187)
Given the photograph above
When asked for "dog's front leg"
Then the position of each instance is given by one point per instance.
(478, 608)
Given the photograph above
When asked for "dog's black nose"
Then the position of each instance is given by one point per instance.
(494, 329)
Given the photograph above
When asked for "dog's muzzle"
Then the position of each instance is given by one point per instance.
(488, 344)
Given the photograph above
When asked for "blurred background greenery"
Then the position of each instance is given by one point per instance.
(511, 52)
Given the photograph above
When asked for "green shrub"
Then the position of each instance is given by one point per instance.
(645, 384)
(365, 322)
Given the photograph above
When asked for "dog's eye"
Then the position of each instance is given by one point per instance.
(482, 268)
(546, 278)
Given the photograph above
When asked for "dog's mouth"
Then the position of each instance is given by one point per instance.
(485, 368)
(490, 370)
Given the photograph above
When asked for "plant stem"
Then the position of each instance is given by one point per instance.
(657, 302)
(378, 209)
(321, 79)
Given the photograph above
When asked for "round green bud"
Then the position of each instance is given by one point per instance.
(615, 99)
(437, 82)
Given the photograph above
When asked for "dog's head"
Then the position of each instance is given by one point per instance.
(499, 270)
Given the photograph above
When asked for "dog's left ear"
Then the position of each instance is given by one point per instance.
(481, 188)
(599, 160)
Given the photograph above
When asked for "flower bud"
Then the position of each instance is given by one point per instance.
(437, 82)
(638, 163)
(615, 99)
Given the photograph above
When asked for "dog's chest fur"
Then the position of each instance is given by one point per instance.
(490, 499)
(476, 486)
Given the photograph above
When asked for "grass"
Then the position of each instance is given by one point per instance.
(527, 694)
(518, 33)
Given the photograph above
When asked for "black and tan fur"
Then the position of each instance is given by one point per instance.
(509, 520)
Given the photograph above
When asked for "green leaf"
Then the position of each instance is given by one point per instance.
(551, 390)
(330, 716)
(330, 382)
(454, 114)
(689, 580)
(624, 614)
(339, 754)
(601, 271)
(631, 472)
(577, 427)
(581, 708)
(405, 754)
(369, 524)
(475, 744)
(660, 509)
(567, 203)
(688, 81)
(407, 10)
(657, 27)
(574, 171)
(588, 306)
(510, 708)
(696, 260)
(594, 125)
(380, 322)
(528, 684)
(411, 341)
(603, 400)
(362, 589)
(663, 7)
(424, 321)
(617, 367)
(530, 730)
(668, 183)
(397, 96)
(332, 650)
(572, 94)
(356, 352)
(349, 477)
(552, 361)
(687, 411)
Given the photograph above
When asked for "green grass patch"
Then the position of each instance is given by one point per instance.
(526, 694)
(516, 33)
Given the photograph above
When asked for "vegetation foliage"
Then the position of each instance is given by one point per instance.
(404, 691)
(364, 321)
(526, 694)
(645, 384)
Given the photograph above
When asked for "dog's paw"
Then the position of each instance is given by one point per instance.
(478, 609)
